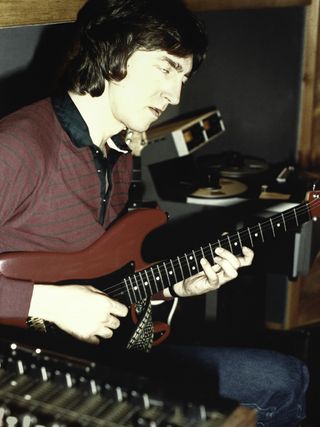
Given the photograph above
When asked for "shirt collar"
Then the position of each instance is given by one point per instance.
(77, 129)
(120, 146)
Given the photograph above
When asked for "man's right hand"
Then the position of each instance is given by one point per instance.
(82, 311)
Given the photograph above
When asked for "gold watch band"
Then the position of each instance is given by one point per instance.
(37, 324)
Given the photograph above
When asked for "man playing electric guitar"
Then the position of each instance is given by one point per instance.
(65, 172)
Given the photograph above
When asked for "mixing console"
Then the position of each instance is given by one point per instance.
(45, 389)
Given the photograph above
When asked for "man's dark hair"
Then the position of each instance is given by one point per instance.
(108, 32)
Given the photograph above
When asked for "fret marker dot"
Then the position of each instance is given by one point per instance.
(255, 234)
(278, 225)
(235, 243)
(135, 288)
(191, 257)
(170, 272)
(193, 268)
(157, 278)
(145, 283)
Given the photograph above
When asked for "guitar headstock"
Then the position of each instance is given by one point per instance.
(313, 197)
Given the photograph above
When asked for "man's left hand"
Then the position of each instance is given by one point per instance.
(212, 277)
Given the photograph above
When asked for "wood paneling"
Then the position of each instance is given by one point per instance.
(309, 138)
(203, 5)
(33, 12)
(30, 12)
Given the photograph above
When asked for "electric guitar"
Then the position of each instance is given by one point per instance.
(114, 263)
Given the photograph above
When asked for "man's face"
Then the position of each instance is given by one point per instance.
(153, 81)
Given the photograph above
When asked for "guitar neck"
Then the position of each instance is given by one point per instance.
(145, 283)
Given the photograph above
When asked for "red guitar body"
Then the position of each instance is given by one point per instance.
(120, 245)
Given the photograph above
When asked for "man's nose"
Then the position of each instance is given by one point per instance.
(172, 93)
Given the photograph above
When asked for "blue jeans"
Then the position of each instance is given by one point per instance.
(272, 383)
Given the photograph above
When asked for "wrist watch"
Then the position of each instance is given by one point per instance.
(37, 324)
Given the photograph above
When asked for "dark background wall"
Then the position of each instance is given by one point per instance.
(29, 59)
(253, 76)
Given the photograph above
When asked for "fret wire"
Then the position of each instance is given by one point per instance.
(203, 255)
(180, 267)
(212, 254)
(195, 257)
(186, 257)
(148, 281)
(284, 222)
(274, 234)
(239, 239)
(174, 272)
(231, 249)
(160, 275)
(249, 232)
(219, 243)
(196, 260)
(138, 287)
(132, 287)
(259, 225)
(295, 215)
(154, 279)
(142, 282)
(165, 267)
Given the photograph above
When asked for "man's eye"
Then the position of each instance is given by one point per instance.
(165, 70)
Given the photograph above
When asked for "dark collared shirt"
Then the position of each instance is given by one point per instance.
(77, 129)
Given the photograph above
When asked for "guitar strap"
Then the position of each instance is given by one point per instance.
(142, 338)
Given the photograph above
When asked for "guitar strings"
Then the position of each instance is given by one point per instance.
(227, 242)
(179, 262)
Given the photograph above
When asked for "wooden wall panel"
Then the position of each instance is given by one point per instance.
(32, 12)
(309, 138)
(203, 5)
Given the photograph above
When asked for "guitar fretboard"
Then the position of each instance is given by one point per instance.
(145, 283)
